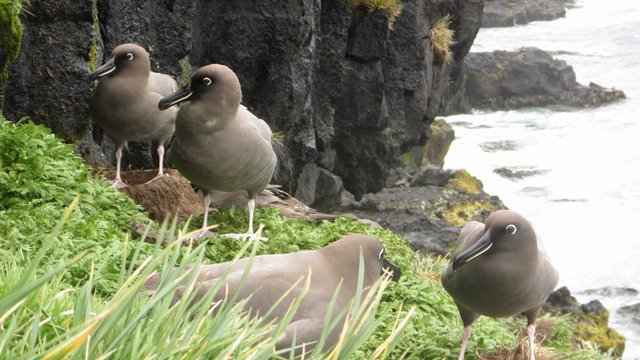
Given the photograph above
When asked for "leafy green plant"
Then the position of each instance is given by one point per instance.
(441, 37)
(90, 304)
(129, 326)
(393, 8)
(39, 176)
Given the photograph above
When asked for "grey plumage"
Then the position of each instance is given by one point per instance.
(270, 276)
(499, 269)
(218, 143)
(125, 102)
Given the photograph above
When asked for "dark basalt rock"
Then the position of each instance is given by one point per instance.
(518, 173)
(440, 139)
(502, 13)
(610, 291)
(432, 175)
(631, 312)
(47, 82)
(591, 320)
(346, 93)
(500, 145)
(429, 215)
(528, 77)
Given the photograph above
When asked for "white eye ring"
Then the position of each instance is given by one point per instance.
(511, 229)
(129, 56)
(380, 254)
(207, 81)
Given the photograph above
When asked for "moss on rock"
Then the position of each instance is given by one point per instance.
(594, 327)
(459, 213)
(462, 180)
(10, 38)
(10, 30)
(590, 321)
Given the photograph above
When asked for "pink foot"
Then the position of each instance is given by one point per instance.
(118, 184)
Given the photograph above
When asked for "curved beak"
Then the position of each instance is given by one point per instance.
(106, 69)
(388, 266)
(480, 247)
(177, 97)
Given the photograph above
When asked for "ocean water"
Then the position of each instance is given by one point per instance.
(583, 194)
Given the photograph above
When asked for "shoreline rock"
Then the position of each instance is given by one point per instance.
(591, 319)
(428, 206)
(529, 77)
(505, 13)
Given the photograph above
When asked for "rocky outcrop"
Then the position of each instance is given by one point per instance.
(347, 93)
(528, 77)
(632, 312)
(591, 320)
(501, 13)
(516, 173)
(437, 147)
(447, 199)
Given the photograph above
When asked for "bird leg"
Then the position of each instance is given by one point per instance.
(161, 158)
(117, 182)
(160, 164)
(531, 332)
(466, 333)
(249, 234)
(204, 230)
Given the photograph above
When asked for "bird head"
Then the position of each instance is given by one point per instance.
(214, 84)
(126, 60)
(506, 233)
(347, 250)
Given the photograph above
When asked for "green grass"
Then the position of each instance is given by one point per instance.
(90, 274)
(39, 177)
(393, 8)
(442, 38)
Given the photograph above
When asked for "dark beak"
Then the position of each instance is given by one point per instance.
(480, 247)
(394, 269)
(103, 70)
(177, 97)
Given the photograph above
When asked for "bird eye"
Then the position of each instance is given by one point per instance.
(380, 254)
(207, 81)
(511, 229)
(129, 56)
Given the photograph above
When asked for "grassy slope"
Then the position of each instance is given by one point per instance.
(39, 177)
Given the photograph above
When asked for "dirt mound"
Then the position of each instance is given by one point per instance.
(173, 195)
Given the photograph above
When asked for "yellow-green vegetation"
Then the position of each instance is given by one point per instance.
(393, 8)
(10, 31)
(462, 180)
(562, 341)
(441, 37)
(95, 33)
(278, 137)
(71, 287)
(594, 328)
(10, 38)
(459, 213)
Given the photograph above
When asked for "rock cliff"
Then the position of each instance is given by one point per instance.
(347, 92)
(528, 77)
(503, 13)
